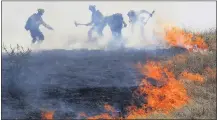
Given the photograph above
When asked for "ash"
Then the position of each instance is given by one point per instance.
(69, 82)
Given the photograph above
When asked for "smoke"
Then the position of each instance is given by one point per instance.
(61, 16)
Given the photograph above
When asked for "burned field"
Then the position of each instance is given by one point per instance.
(71, 82)
(66, 84)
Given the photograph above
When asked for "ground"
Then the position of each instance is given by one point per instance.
(70, 82)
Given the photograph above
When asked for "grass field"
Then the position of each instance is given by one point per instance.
(203, 95)
(199, 80)
(203, 104)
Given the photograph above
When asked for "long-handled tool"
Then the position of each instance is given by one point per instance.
(76, 24)
(149, 17)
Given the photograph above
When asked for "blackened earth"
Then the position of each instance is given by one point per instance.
(70, 82)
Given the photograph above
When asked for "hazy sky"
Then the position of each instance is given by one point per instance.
(61, 16)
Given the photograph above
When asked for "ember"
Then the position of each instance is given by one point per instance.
(47, 115)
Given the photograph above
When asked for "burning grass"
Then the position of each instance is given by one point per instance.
(201, 69)
(171, 95)
(191, 76)
(178, 37)
(164, 99)
(188, 81)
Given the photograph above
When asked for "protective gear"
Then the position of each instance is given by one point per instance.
(133, 18)
(91, 7)
(97, 20)
(131, 13)
(115, 22)
(98, 28)
(139, 19)
(33, 23)
(41, 10)
(27, 26)
(36, 35)
(97, 17)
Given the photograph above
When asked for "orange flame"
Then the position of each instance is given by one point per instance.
(108, 108)
(171, 96)
(47, 115)
(177, 37)
(191, 76)
(135, 113)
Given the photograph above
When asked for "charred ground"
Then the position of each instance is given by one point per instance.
(69, 82)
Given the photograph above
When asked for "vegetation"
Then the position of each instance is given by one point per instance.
(203, 95)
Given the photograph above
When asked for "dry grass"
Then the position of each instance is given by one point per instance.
(17, 59)
(203, 95)
(159, 116)
(210, 38)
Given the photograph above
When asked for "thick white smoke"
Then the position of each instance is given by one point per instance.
(61, 16)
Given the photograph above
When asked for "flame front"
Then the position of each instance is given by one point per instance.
(110, 114)
(169, 93)
(172, 95)
(109, 108)
(178, 37)
(191, 76)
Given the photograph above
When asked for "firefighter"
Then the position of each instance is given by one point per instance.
(116, 24)
(136, 17)
(33, 23)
